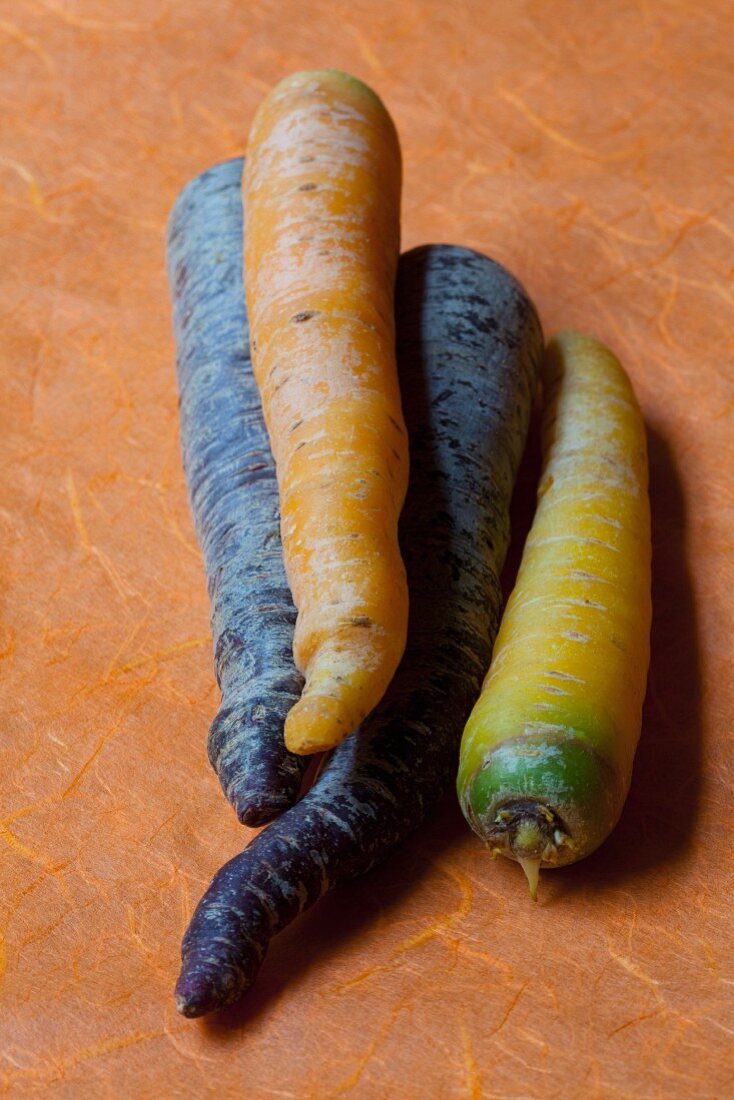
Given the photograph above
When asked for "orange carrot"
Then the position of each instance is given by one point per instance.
(322, 195)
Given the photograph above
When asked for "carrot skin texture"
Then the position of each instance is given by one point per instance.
(549, 746)
(233, 494)
(469, 345)
(322, 190)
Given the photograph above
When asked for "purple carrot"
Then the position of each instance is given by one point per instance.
(234, 499)
(469, 345)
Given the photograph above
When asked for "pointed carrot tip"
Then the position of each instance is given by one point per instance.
(316, 723)
(531, 867)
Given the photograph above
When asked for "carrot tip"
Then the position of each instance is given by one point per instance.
(316, 723)
(195, 1002)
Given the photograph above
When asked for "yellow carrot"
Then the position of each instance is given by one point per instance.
(547, 753)
(322, 194)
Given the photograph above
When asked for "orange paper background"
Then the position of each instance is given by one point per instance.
(589, 147)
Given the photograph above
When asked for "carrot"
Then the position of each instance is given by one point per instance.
(234, 499)
(469, 345)
(546, 758)
(322, 192)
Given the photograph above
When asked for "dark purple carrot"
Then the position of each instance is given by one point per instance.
(469, 345)
(234, 499)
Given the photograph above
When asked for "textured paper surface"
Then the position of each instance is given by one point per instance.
(587, 146)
